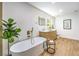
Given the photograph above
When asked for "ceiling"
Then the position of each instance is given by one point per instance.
(57, 8)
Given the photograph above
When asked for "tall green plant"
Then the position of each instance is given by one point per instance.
(10, 31)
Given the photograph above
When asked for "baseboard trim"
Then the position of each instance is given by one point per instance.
(68, 37)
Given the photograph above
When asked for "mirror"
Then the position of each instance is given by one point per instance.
(41, 21)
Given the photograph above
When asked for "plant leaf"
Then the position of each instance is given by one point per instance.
(13, 27)
(5, 21)
(5, 35)
(10, 20)
(5, 25)
(14, 23)
(11, 40)
(18, 29)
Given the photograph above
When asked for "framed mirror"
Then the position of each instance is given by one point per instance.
(67, 24)
(41, 21)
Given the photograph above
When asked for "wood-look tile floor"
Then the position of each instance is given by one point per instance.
(65, 47)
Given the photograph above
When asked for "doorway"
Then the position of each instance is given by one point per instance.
(0, 29)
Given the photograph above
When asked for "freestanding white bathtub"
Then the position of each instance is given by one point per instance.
(26, 48)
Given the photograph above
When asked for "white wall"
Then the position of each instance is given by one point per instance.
(74, 32)
(25, 16)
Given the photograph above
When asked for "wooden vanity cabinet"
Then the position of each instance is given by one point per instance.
(51, 35)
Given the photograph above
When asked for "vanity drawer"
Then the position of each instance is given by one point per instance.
(43, 34)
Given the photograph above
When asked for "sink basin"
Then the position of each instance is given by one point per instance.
(48, 30)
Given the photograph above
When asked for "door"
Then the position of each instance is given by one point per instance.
(0, 28)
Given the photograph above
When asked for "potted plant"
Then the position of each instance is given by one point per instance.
(10, 31)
